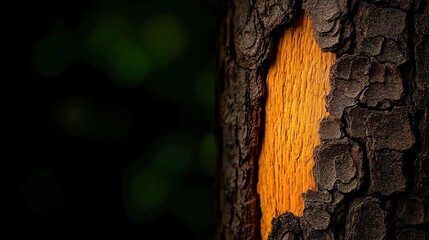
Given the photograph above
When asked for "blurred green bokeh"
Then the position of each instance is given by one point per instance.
(160, 49)
(77, 117)
(164, 37)
(55, 51)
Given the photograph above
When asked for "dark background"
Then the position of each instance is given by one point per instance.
(111, 118)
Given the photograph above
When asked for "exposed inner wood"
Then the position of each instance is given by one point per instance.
(297, 84)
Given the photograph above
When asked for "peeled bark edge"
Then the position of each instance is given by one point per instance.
(246, 46)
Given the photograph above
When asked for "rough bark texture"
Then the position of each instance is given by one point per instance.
(372, 168)
(248, 29)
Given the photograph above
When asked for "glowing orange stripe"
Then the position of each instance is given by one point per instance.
(297, 84)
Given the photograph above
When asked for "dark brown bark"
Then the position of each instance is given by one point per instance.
(246, 45)
(372, 167)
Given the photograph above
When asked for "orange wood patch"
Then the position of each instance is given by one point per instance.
(297, 84)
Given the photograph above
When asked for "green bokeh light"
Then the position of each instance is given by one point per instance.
(75, 116)
(129, 62)
(146, 190)
(113, 45)
(164, 37)
(173, 153)
(104, 32)
(161, 49)
(149, 189)
(54, 52)
(78, 117)
(152, 181)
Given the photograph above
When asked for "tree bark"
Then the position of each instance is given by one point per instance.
(372, 174)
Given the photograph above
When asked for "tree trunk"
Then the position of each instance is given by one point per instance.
(371, 162)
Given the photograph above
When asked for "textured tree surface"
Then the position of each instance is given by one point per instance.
(296, 84)
(372, 173)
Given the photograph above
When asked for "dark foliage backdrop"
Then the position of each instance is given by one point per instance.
(112, 118)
